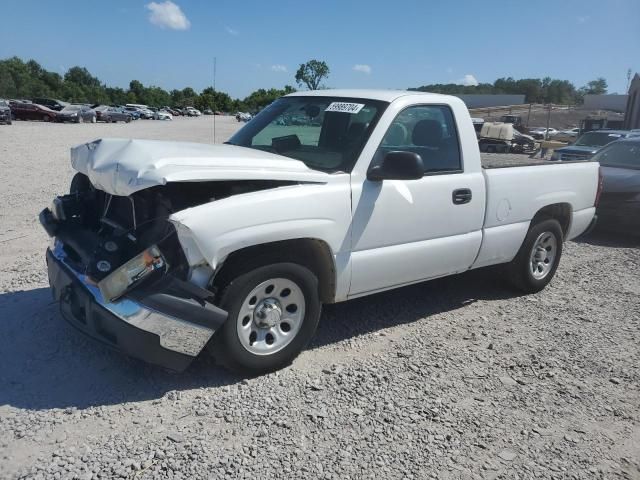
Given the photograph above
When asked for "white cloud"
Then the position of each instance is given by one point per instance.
(468, 80)
(279, 68)
(362, 68)
(167, 15)
(232, 31)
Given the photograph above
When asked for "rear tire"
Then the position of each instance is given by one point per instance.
(248, 343)
(538, 258)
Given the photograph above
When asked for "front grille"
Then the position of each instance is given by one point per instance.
(567, 157)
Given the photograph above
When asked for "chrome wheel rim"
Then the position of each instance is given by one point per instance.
(270, 316)
(543, 255)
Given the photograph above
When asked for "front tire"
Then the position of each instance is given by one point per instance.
(538, 258)
(273, 314)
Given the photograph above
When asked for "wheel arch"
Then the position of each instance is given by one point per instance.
(562, 212)
(313, 253)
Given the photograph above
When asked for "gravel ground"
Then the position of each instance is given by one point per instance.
(455, 378)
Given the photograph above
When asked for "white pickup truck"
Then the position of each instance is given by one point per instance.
(164, 248)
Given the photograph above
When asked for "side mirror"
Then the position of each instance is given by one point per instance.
(397, 166)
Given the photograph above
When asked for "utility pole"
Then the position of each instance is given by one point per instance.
(214, 98)
(628, 80)
(546, 133)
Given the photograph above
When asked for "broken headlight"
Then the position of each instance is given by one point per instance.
(118, 282)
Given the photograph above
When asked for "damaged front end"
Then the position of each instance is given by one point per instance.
(119, 272)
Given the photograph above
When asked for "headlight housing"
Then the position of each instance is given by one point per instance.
(139, 267)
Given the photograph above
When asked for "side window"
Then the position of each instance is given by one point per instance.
(429, 131)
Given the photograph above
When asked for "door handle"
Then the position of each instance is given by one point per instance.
(461, 195)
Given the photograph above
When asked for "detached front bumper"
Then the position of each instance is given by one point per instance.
(167, 322)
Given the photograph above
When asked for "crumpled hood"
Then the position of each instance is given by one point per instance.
(122, 166)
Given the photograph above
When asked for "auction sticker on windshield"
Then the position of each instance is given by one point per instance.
(343, 107)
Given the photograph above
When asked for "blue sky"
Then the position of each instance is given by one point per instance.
(372, 44)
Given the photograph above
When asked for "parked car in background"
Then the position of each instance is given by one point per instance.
(245, 117)
(193, 112)
(143, 110)
(589, 143)
(145, 113)
(5, 112)
(112, 114)
(32, 111)
(51, 103)
(162, 115)
(568, 135)
(619, 207)
(178, 111)
(541, 133)
(77, 114)
(208, 111)
(133, 111)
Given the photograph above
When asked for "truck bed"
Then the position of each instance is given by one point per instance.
(503, 160)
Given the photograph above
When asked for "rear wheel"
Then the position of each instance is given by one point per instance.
(537, 260)
(46, 118)
(273, 313)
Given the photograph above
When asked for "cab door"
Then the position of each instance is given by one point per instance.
(404, 231)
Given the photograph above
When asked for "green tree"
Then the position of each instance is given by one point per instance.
(312, 73)
(596, 87)
(81, 76)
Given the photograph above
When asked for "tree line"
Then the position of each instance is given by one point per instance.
(28, 80)
(20, 79)
(535, 90)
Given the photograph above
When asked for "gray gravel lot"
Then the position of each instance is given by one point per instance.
(457, 378)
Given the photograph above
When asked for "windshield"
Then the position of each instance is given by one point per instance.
(3, 103)
(621, 154)
(596, 139)
(326, 133)
(71, 108)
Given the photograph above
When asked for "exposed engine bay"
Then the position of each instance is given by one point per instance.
(100, 231)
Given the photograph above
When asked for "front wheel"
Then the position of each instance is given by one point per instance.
(273, 313)
(537, 260)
